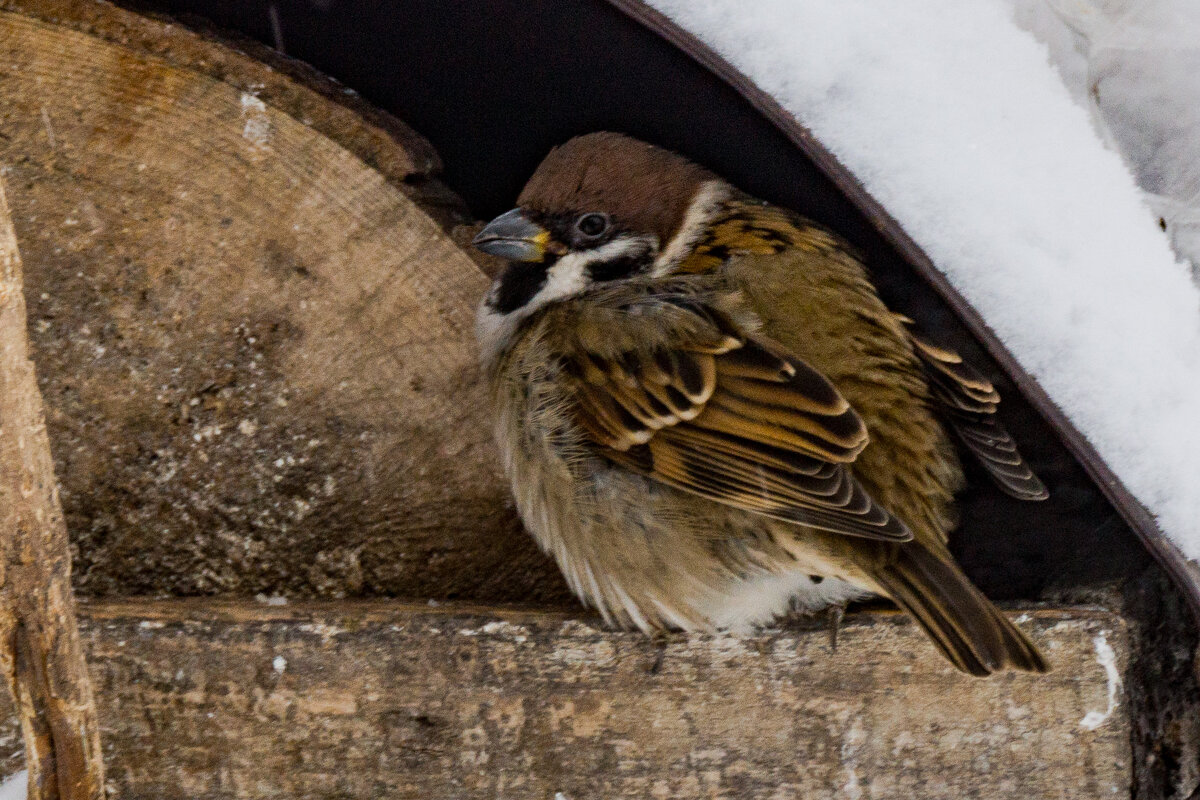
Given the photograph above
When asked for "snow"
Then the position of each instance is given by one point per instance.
(14, 787)
(1107, 660)
(954, 119)
(1135, 65)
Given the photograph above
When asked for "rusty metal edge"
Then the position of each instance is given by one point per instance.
(1184, 573)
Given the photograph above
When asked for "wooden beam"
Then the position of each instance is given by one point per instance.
(224, 699)
(40, 653)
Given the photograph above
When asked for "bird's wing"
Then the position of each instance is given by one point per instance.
(969, 401)
(708, 410)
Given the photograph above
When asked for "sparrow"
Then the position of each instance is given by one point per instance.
(709, 418)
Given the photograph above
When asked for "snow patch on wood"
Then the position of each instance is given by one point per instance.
(1107, 659)
(256, 124)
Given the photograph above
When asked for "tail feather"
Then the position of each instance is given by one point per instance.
(963, 623)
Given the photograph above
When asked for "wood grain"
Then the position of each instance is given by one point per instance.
(209, 699)
(40, 654)
(253, 328)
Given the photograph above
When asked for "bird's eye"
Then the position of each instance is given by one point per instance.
(592, 225)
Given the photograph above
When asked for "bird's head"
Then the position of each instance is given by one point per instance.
(601, 207)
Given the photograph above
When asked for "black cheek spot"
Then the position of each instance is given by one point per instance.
(617, 268)
(520, 282)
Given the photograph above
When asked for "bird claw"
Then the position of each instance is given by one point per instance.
(661, 640)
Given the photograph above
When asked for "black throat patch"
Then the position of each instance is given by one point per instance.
(520, 282)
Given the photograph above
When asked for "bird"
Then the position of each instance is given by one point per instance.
(709, 418)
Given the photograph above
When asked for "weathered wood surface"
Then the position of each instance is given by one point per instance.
(253, 330)
(205, 700)
(41, 659)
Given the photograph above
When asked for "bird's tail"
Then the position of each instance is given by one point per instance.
(962, 622)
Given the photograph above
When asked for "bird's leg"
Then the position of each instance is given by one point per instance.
(833, 616)
(661, 639)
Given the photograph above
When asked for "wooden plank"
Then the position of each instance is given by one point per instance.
(41, 659)
(209, 699)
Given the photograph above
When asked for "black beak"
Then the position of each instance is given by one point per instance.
(513, 236)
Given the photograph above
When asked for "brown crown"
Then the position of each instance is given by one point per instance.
(641, 186)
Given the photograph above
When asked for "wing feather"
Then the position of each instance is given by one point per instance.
(722, 415)
(969, 401)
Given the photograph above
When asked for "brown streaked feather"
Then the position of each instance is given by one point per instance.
(749, 427)
(751, 227)
(969, 401)
(961, 621)
(799, 432)
(850, 512)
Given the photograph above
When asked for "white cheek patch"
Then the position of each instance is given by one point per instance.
(707, 200)
(570, 275)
